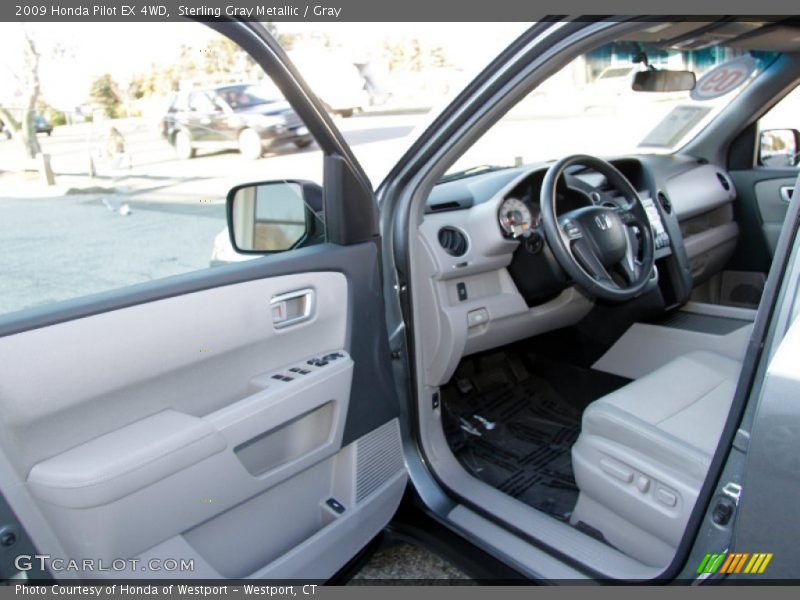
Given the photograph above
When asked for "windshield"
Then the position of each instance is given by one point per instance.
(588, 107)
(615, 72)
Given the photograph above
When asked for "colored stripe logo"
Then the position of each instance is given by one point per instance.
(735, 562)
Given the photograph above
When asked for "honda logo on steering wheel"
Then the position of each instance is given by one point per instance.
(603, 222)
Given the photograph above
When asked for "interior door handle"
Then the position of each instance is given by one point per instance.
(787, 191)
(292, 307)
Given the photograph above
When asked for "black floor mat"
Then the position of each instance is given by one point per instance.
(511, 420)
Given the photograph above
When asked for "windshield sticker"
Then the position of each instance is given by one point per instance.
(724, 78)
(675, 125)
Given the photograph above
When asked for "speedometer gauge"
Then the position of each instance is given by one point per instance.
(515, 217)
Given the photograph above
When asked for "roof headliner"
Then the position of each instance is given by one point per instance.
(777, 35)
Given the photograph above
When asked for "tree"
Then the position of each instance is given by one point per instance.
(220, 60)
(21, 126)
(105, 92)
(222, 55)
(286, 40)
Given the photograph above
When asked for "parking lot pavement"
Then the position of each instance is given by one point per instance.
(404, 562)
(60, 248)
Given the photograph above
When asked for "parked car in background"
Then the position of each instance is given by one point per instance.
(250, 117)
(612, 83)
(42, 125)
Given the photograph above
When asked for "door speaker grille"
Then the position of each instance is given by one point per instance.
(379, 456)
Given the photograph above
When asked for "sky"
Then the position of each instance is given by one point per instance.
(124, 49)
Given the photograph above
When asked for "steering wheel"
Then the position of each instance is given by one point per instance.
(609, 252)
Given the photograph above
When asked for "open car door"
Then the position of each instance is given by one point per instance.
(234, 422)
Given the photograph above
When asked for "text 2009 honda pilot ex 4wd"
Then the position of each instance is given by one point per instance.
(583, 365)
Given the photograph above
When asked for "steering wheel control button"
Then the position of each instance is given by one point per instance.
(477, 317)
(571, 229)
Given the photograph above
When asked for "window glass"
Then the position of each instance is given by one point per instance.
(778, 138)
(117, 182)
(384, 82)
(137, 144)
(590, 107)
(785, 114)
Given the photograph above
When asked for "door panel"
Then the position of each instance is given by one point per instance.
(211, 346)
(759, 212)
(188, 425)
(773, 203)
(187, 419)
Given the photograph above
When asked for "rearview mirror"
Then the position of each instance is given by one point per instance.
(663, 81)
(778, 147)
(273, 216)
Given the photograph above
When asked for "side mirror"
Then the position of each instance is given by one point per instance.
(778, 147)
(273, 216)
(663, 81)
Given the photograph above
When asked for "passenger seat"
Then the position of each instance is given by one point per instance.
(644, 451)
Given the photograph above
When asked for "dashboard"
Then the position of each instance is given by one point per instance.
(493, 278)
(519, 214)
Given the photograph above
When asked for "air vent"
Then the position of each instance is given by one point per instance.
(665, 203)
(453, 241)
(442, 206)
(724, 182)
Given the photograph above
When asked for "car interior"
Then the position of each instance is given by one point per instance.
(578, 330)
(590, 318)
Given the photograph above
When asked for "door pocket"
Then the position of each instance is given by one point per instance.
(288, 442)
